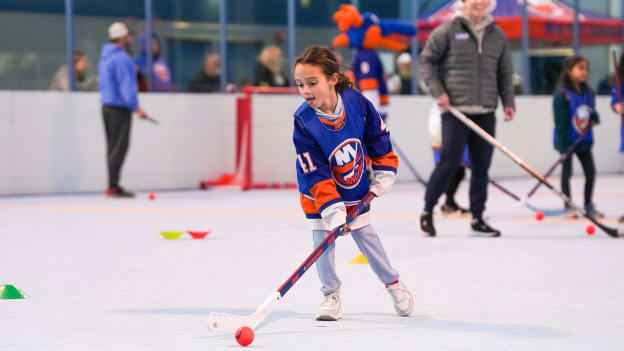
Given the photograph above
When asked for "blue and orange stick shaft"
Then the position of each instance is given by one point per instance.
(324, 245)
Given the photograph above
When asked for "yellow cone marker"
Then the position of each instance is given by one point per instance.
(171, 235)
(359, 259)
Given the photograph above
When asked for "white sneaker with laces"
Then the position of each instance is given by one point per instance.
(330, 309)
(401, 297)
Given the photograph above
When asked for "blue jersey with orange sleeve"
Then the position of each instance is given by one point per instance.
(369, 74)
(331, 170)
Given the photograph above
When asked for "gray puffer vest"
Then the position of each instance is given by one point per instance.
(453, 63)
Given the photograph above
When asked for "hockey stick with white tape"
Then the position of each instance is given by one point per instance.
(491, 140)
(225, 322)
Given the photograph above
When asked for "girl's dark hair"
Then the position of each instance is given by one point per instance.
(619, 70)
(323, 57)
(565, 79)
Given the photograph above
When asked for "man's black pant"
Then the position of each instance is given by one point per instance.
(117, 122)
(455, 137)
(587, 162)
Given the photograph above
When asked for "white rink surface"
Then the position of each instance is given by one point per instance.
(100, 276)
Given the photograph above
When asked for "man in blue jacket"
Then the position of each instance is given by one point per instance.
(118, 89)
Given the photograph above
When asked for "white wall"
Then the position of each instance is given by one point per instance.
(529, 135)
(54, 142)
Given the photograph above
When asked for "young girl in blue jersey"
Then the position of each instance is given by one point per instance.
(332, 129)
(575, 110)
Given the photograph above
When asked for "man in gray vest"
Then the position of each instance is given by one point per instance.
(466, 63)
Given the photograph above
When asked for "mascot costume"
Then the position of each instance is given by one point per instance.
(365, 32)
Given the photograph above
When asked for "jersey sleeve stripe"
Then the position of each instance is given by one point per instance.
(324, 192)
(368, 84)
(308, 206)
(388, 160)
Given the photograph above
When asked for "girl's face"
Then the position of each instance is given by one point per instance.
(318, 91)
(579, 72)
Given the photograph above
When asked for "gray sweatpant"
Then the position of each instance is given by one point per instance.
(369, 244)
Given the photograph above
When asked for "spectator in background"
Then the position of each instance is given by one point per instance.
(401, 81)
(269, 69)
(118, 89)
(161, 74)
(208, 79)
(60, 81)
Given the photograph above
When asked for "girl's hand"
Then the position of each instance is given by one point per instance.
(618, 108)
(346, 230)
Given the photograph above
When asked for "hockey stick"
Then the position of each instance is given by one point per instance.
(517, 198)
(224, 322)
(151, 120)
(560, 160)
(491, 140)
(409, 164)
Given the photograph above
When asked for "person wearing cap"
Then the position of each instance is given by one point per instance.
(118, 89)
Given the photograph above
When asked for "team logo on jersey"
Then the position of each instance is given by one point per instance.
(161, 71)
(347, 163)
(365, 67)
(581, 118)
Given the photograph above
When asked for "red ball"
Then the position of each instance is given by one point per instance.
(539, 215)
(590, 229)
(151, 196)
(244, 336)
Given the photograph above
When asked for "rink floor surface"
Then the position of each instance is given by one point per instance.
(100, 276)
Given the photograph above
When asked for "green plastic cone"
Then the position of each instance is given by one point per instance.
(10, 292)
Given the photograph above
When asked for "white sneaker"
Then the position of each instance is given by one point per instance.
(330, 309)
(401, 297)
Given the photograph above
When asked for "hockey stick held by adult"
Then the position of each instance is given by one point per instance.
(490, 139)
(229, 323)
(143, 115)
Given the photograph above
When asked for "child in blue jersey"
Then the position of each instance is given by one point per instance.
(332, 129)
(618, 105)
(574, 110)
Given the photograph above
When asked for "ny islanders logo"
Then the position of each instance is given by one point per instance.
(347, 163)
(581, 118)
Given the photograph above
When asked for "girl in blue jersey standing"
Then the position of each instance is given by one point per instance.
(574, 110)
(332, 129)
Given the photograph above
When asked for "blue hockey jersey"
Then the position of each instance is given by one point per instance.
(331, 170)
(581, 107)
(369, 75)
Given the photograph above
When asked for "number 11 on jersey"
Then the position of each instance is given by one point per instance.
(307, 165)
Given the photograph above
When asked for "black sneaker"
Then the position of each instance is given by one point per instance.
(117, 191)
(452, 208)
(480, 228)
(426, 224)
